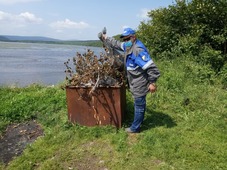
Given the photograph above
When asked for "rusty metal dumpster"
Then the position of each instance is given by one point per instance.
(105, 107)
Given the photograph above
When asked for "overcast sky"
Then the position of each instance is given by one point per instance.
(73, 19)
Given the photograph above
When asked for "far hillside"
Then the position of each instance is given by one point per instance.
(25, 38)
(40, 39)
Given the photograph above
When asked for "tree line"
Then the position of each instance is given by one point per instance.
(189, 28)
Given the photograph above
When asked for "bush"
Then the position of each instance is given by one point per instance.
(94, 71)
(223, 74)
(194, 28)
(211, 57)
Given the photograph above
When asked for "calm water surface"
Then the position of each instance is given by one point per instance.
(22, 64)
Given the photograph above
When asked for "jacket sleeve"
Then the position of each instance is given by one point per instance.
(153, 73)
(146, 63)
(114, 43)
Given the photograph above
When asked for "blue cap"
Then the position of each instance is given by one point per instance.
(127, 32)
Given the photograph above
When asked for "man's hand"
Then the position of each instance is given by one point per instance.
(102, 35)
(152, 88)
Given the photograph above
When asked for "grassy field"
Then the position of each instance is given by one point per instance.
(185, 127)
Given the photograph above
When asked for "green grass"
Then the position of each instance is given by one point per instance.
(185, 127)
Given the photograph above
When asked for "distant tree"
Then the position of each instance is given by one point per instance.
(197, 28)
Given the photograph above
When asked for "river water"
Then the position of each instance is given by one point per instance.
(22, 64)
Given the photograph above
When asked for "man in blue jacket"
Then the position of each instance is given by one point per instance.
(141, 71)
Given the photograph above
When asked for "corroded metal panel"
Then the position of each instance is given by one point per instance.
(106, 106)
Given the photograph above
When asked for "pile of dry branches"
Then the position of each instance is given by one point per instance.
(94, 71)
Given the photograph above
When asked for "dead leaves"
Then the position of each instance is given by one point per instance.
(93, 71)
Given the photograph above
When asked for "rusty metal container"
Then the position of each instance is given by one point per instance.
(105, 107)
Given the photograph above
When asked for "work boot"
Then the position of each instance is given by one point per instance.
(128, 130)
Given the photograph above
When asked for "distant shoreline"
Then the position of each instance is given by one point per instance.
(92, 43)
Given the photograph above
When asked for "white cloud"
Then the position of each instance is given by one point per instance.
(67, 24)
(21, 18)
(10, 2)
(29, 17)
(4, 16)
(143, 13)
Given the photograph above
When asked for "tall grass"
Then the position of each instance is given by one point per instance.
(184, 128)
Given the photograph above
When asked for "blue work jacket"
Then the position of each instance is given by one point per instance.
(140, 68)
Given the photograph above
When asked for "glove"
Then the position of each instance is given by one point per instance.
(102, 35)
(104, 30)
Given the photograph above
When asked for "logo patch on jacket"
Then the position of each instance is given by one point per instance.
(144, 57)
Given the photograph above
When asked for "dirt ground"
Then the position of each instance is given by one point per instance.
(16, 137)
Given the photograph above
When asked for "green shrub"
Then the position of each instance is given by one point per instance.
(223, 75)
(194, 28)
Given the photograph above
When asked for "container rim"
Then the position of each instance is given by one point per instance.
(88, 87)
